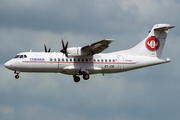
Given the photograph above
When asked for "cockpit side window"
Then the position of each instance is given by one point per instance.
(21, 56)
(25, 56)
(17, 56)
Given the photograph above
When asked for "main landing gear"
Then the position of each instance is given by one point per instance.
(86, 76)
(77, 78)
(17, 74)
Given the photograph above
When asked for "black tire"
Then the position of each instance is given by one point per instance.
(16, 76)
(76, 79)
(86, 76)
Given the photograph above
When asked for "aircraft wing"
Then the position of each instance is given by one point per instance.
(97, 47)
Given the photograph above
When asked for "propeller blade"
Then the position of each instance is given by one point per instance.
(62, 43)
(64, 50)
(66, 45)
(45, 48)
(66, 54)
(49, 50)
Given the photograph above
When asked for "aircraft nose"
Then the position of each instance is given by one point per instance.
(7, 64)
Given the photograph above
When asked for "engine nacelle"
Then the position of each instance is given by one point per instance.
(76, 51)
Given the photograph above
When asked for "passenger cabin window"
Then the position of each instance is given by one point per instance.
(54, 59)
(58, 59)
(50, 59)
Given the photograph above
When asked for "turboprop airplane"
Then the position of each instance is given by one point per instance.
(88, 60)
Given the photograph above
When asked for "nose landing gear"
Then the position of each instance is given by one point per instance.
(17, 74)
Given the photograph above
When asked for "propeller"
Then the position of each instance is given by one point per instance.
(64, 50)
(46, 48)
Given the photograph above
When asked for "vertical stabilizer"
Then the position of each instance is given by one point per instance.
(153, 44)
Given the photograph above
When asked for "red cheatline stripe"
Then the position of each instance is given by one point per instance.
(75, 62)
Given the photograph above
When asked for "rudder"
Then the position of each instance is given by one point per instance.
(153, 44)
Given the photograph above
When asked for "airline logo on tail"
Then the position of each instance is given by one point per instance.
(152, 43)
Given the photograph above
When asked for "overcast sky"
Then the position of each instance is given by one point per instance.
(146, 94)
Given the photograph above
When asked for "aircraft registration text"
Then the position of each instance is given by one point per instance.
(108, 66)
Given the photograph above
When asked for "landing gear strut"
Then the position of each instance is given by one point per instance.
(17, 74)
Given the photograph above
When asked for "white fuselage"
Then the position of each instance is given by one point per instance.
(99, 63)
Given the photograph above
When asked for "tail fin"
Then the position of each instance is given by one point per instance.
(154, 43)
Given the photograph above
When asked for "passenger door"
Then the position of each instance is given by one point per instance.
(121, 62)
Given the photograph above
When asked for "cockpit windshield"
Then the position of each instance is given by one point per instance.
(20, 56)
(17, 56)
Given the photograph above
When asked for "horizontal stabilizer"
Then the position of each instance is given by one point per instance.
(163, 28)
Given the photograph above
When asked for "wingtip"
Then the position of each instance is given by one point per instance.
(168, 59)
(110, 40)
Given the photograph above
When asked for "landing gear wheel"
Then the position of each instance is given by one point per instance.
(76, 79)
(16, 76)
(86, 76)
